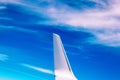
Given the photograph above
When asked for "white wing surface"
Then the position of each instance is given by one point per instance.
(62, 67)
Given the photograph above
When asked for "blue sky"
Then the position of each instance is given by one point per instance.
(89, 30)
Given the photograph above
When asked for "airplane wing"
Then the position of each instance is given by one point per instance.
(62, 67)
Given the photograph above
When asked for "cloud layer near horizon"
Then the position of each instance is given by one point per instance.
(102, 20)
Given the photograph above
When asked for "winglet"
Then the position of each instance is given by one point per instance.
(62, 67)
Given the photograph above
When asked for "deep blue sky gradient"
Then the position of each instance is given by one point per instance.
(25, 41)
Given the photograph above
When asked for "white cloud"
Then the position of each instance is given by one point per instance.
(10, 1)
(94, 20)
(3, 57)
(38, 68)
(107, 19)
(107, 37)
(3, 1)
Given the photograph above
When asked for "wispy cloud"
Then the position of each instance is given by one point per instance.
(37, 68)
(2, 7)
(3, 57)
(18, 29)
(102, 23)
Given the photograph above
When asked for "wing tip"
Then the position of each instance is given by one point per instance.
(55, 35)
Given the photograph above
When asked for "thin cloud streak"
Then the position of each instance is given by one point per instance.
(2, 7)
(19, 29)
(3, 57)
(37, 68)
